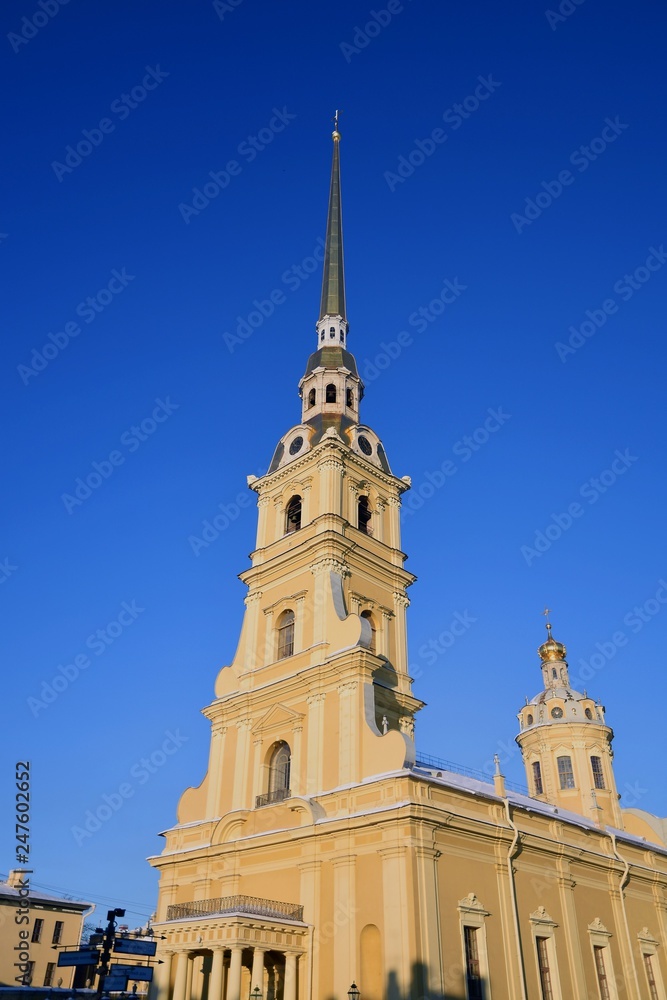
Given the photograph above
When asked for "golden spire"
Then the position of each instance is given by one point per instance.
(333, 278)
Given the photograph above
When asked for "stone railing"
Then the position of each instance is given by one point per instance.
(235, 904)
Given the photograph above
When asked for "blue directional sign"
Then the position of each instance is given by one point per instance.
(134, 946)
(88, 957)
(139, 973)
(115, 984)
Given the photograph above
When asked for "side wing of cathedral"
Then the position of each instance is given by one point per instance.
(319, 854)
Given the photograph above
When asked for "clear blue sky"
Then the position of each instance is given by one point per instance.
(208, 81)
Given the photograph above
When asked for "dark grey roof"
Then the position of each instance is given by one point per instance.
(332, 357)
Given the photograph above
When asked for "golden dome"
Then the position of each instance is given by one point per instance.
(552, 650)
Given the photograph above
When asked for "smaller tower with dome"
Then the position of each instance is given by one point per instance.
(566, 743)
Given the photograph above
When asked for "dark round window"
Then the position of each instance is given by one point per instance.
(529, 720)
(588, 713)
(295, 445)
(556, 713)
(365, 445)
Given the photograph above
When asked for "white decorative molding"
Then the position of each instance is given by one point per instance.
(471, 905)
(402, 600)
(597, 927)
(541, 918)
(329, 564)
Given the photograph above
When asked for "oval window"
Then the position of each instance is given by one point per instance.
(365, 445)
(296, 445)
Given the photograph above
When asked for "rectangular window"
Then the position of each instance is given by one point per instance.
(48, 975)
(57, 932)
(28, 974)
(652, 985)
(37, 930)
(598, 776)
(537, 778)
(543, 965)
(565, 772)
(473, 976)
(601, 973)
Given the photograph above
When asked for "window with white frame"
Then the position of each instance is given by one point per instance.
(648, 946)
(546, 960)
(473, 940)
(602, 961)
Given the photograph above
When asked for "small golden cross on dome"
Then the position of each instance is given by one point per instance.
(546, 613)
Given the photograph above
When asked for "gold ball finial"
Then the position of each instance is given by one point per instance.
(551, 650)
(336, 133)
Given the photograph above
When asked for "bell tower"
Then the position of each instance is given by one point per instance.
(318, 693)
(566, 744)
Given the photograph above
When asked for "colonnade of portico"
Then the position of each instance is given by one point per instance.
(226, 973)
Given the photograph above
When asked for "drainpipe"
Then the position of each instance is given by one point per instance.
(625, 878)
(499, 782)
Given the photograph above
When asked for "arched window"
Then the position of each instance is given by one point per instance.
(279, 772)
(279, 766)
(342, 337)
(330, 393)
(554, 673)
(349, 397)
(322, 335)
(529, 720)
(371, 621)
(285, 635)
(588, 713)
(311, 398)
(364, 515)
(565, 772)
(332, 332)
(293, 515)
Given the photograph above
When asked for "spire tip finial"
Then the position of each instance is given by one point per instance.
(336, 133)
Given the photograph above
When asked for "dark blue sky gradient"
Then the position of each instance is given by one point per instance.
(162, 336)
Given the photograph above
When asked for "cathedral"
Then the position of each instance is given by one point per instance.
(321, 857)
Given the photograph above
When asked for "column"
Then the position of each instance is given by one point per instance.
(345, 937)
(382, 638)
(299, 621)
(348, 732)
(296, 772)
(250, 631)
(196, 977)
(572, 936)
(315, 743)
(257, 783)
(401, 603)
(213, 803)
(305, 502)
(257, 977)
(181, 981)
(310, 897)
(262, 522)
(159, 988)
(241, 765)
(188, 977)
(426, 858)
(396, 907)
(234, 981)
(278, 518)
(394, 534)
(378, 531)
(215, 982)
(290, 977)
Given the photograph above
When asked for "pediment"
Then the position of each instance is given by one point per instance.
(278, 717)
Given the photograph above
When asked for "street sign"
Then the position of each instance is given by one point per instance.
(134, 946)
(141, 973)
(88, 957)
(115, 984)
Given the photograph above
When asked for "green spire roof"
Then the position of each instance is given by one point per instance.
(333, 279)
